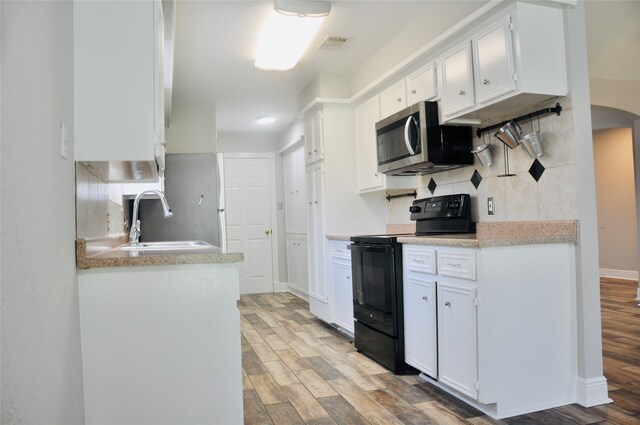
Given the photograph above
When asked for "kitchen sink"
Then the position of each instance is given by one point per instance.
(165, 246)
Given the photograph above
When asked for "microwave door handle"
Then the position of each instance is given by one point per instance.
(406, 135)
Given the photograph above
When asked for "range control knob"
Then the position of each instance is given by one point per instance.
(414, 209)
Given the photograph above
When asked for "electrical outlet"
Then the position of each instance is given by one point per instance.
(490, 206)
(64, 141)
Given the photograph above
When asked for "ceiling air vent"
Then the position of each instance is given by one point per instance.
(333, 42)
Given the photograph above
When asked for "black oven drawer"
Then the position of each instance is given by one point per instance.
(378, 319)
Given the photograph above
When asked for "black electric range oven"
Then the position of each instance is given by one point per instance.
(376, 268)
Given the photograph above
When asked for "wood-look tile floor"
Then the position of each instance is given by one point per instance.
(296, 370)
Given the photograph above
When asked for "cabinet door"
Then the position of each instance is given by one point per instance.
(301, 265)
(393, 99)
(292, 257)
(457, 80)
(315, 205)
(342, 293)
(313, 135)
(118, 92)
(421, 85)
(366, 117)
(457, 337)
(493, 62)
(421, 341)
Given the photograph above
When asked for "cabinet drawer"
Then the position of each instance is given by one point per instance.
(456, 264)
(340, 250)
(420, 260)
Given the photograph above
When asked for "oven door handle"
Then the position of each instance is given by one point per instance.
(369, 248)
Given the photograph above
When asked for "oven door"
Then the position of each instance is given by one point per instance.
(373, 276)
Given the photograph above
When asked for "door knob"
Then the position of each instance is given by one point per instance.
(267, 232)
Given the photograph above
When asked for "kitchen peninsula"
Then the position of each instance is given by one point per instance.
(160, 335)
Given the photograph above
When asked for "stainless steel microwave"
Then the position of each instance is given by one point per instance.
(412, 142)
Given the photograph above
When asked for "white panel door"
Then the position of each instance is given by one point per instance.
(248, 196)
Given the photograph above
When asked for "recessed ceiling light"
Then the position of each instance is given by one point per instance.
(266, 120)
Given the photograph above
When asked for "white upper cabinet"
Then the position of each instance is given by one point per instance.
(118, 81)
(313, 137)
(457, 80)
(422, 84)
(393, 99)
(493, 62)
(512, 59)
(369, 179)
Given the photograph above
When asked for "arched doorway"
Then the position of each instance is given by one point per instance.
(616, 135)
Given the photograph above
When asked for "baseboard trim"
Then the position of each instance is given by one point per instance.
(280, 286)
(619, 274)
(592, 391)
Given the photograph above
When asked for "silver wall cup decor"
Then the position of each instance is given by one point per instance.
(483, 153)
(532, 142)
(509, 134)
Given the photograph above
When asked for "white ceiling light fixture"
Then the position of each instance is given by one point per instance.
(287, 32)
(309, 8)
(266, 120)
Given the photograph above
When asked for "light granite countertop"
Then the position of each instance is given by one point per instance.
(492, 234)
(103, 252)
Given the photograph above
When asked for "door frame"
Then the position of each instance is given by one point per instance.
(275, 260)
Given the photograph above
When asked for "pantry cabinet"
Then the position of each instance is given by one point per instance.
(294, 191)
(317, 241)
(314, 137)
(297, 264)
(118, 81)
(369, 179)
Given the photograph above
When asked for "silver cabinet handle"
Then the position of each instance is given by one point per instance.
(455, 265)
(413, 91)
(348, 277)
(461, 92)
(425, 298)
(315, 150)
(448, 304)
(418, 261)
(485, 82)
(399, 99)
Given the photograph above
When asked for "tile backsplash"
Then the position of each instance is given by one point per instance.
(97, 215)
(520, 197)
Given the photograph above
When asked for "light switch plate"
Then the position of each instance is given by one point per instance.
(64, 141)
(490, 206)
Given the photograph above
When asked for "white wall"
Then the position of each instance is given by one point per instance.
(41, 363)
(615, 191)
(193, 127)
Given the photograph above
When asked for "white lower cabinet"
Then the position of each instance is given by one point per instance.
(297, 268)
(440, 317)
(420, 331)
(342, 287)
(492, 327)
(457, 336)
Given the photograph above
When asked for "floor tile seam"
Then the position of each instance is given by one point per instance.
(315, 399)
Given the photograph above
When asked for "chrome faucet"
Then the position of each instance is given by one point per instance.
(134, 234)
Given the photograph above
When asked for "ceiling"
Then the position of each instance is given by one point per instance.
(215, 41)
